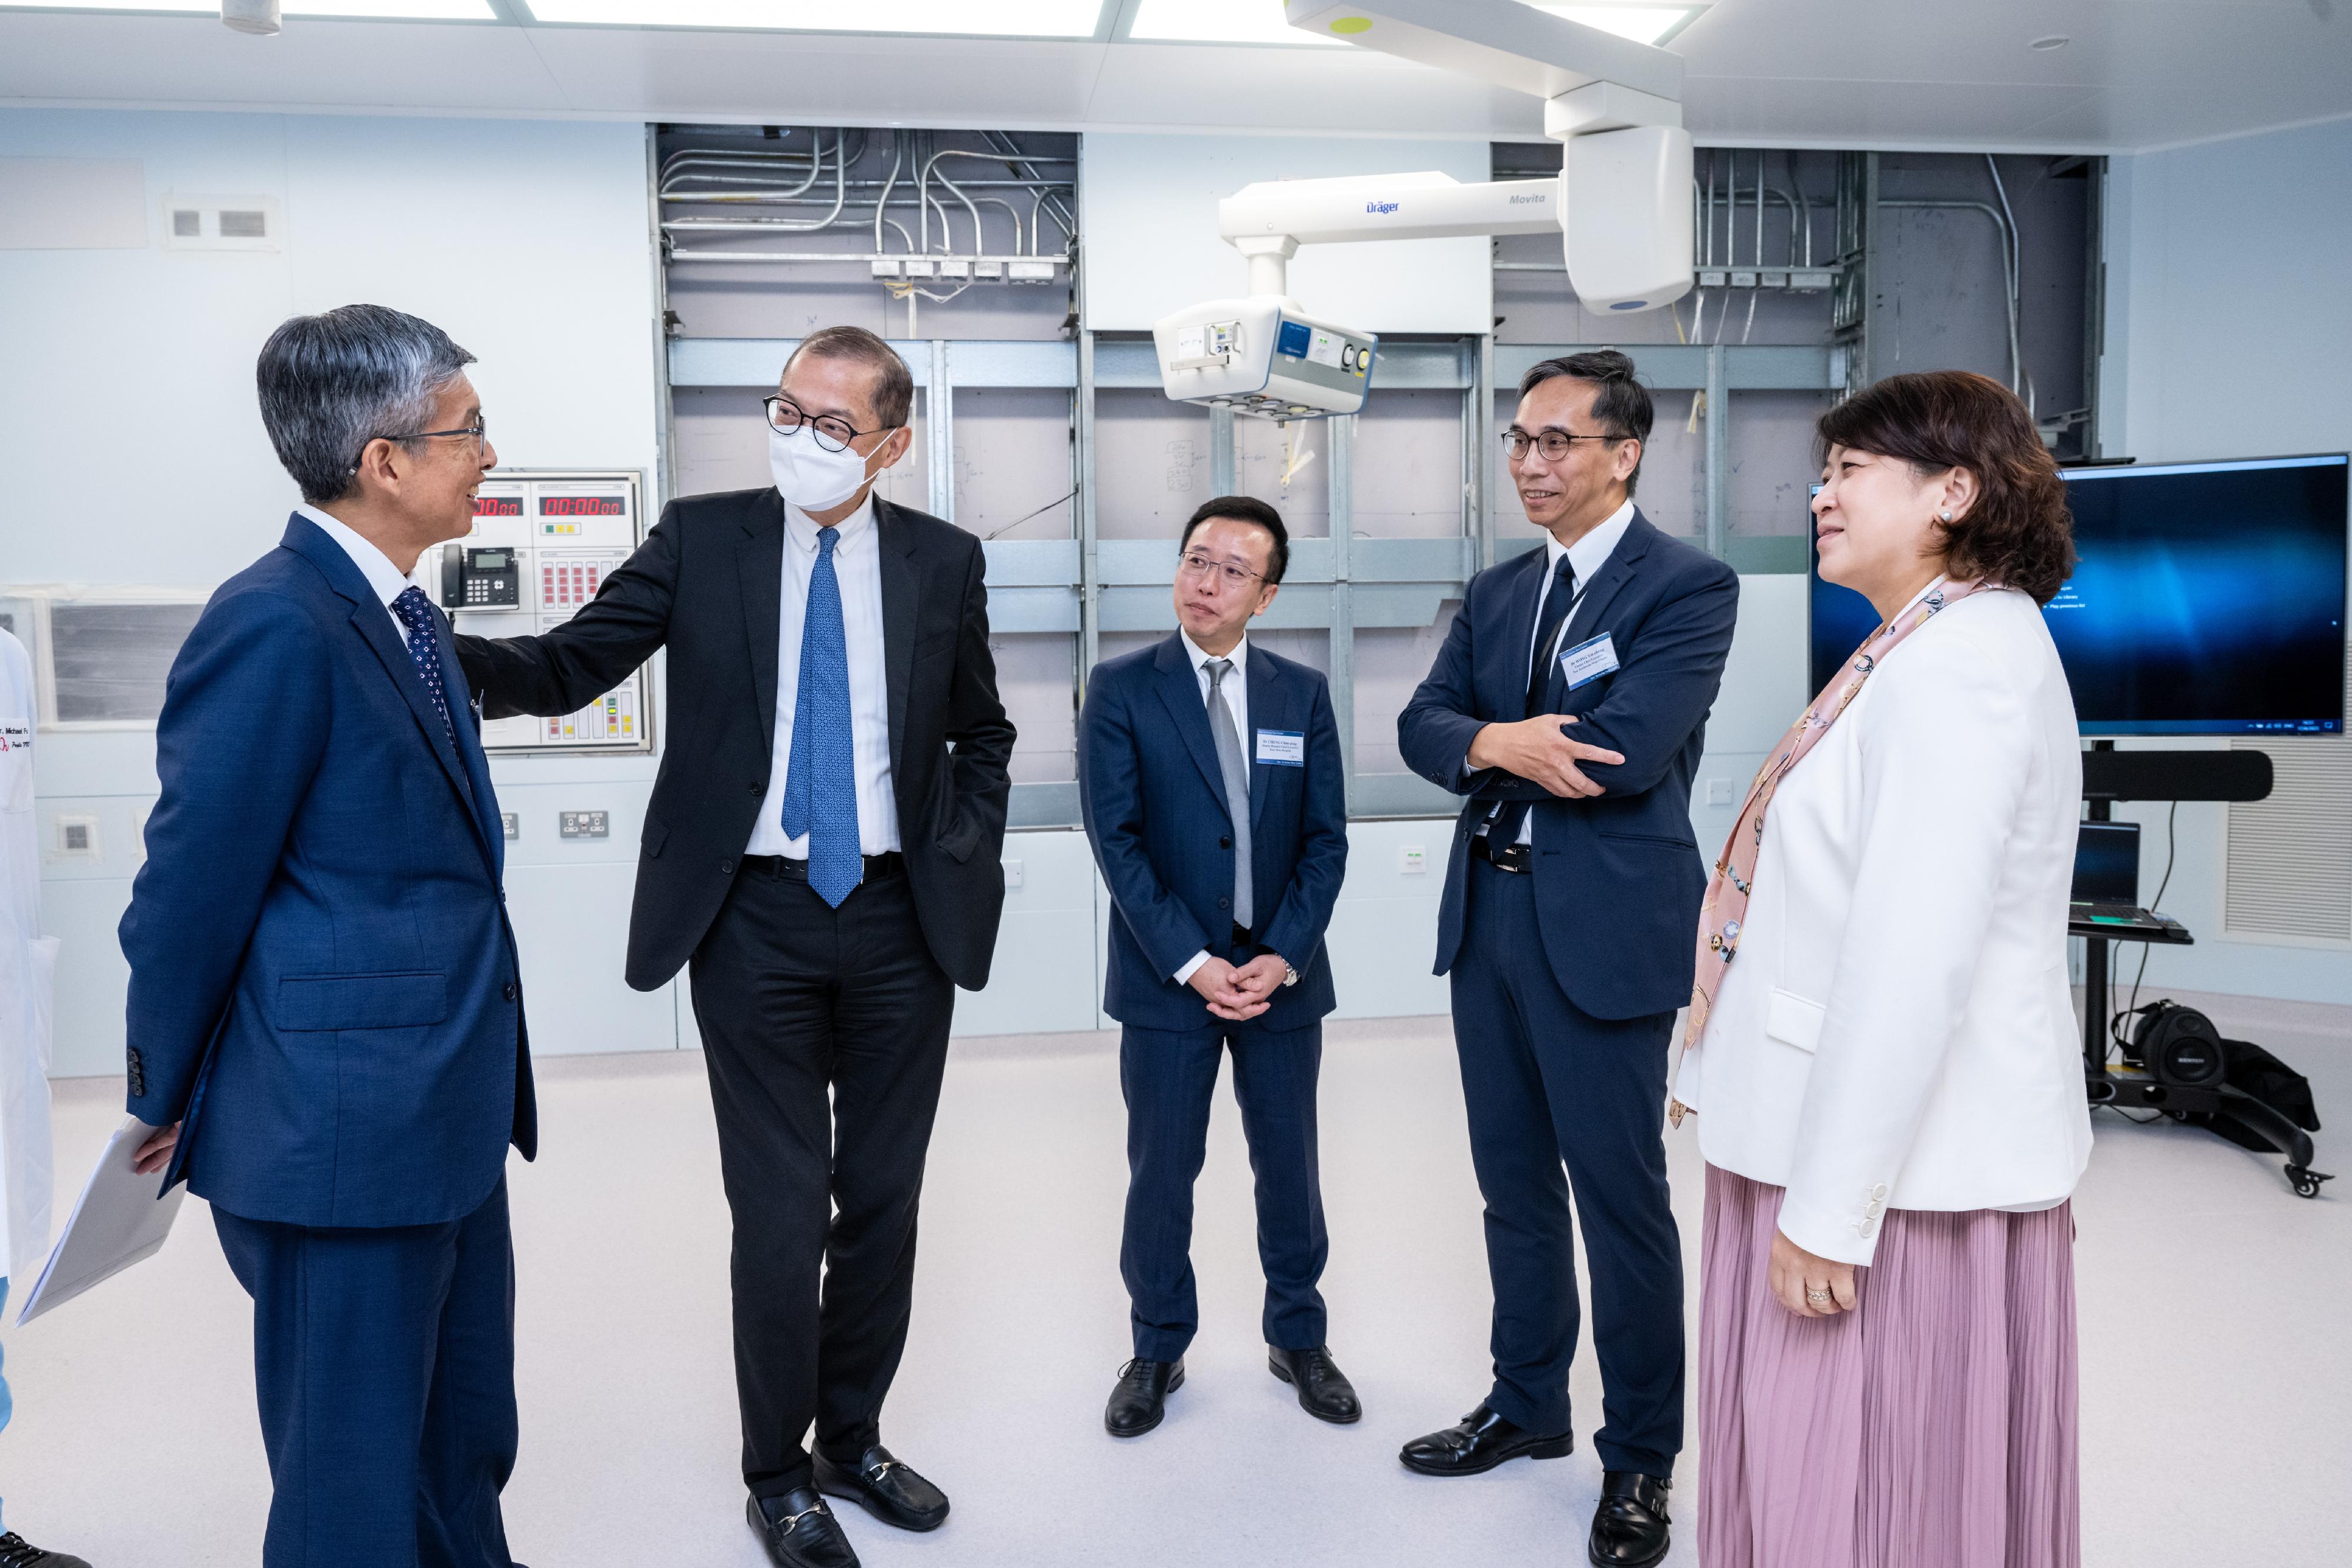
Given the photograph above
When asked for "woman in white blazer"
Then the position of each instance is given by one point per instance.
(1888, 1092)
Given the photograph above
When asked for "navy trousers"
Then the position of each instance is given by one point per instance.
(1169, 1077)
(384, 1363)
(1546, 1083)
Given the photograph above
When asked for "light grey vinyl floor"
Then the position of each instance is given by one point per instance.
(2216, 1318)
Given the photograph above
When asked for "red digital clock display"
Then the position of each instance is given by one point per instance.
(581, 506)
(497, 505)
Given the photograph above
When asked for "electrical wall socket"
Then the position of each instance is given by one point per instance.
(584, 824)
(512, 821)
(1412, 859)
(74, 838)
(1013, 873)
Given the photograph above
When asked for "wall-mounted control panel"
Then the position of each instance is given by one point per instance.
(544, 542)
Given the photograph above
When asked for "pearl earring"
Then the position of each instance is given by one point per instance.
(1947, 517)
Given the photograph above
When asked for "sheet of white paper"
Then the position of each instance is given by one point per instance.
(116, 1221)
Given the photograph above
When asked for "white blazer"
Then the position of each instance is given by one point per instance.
(1897, 1030)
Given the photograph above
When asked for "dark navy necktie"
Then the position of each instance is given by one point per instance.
(821, 785)
(415, 613)
(1504, 829)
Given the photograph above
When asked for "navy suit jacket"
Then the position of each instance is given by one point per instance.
(323, 983)
(1156, 814)
(1618, 877)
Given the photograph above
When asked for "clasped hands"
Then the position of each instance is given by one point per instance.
(1539, 749)
(1239, 992)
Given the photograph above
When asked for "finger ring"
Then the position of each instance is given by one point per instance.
(1817, 1296)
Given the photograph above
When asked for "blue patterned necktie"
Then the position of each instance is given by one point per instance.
(415, 613)
(821, 786)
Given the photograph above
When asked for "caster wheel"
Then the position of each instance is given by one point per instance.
(2181, 1116)
(2306, 1182)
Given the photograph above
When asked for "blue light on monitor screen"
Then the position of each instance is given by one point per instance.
(2209, 600)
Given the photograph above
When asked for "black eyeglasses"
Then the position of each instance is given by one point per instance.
(1553, 443)
(833, 433)
(479, 431)
(1198, 565)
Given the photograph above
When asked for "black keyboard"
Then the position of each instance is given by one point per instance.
(2106, 911)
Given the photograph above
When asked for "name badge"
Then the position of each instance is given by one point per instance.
(1282, 747)
(1589, 661)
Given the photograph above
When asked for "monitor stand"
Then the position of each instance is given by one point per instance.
(2132, 1089)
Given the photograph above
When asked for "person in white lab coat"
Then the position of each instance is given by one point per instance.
(26, 958)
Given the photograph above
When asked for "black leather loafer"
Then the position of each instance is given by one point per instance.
(1323, 1391)
(1629, 1528)
(1139, 1402)
(1478, 1443)
(887, 1488)
(798, 1530)
(16, 1552)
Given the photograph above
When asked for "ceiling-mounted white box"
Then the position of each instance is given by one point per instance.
(221, 223)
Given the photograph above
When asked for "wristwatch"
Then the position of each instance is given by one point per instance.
(1289, 975)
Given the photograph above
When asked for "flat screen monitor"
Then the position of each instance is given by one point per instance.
(2208, 600)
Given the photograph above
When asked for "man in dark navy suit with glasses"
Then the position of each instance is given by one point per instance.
(1215, 799)
(1569, 704)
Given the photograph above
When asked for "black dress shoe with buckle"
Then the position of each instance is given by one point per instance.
(1139, 1402)
(1629, 1528)
(889, 1489)
(16, 1552)
(798, 1530)
(1478, 1443)
(1323, 1391)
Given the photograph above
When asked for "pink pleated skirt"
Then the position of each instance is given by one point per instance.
(1933, 1426)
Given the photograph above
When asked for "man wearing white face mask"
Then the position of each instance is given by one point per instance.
(830, 870)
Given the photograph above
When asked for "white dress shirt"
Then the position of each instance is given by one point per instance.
(857, 567)
(1898, 1032)
(1587, 556)
(382, 576)
(1236, 694)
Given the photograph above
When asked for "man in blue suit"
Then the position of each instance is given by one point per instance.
(1569, 704)
(326, 1014)
(1214, 796)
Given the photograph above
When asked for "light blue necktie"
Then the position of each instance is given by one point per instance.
(821, 786)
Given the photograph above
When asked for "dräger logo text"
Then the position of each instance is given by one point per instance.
(1379, 206)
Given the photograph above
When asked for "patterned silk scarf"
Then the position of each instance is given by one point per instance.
(1735, 870)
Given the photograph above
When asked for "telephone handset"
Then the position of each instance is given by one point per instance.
(475, 579)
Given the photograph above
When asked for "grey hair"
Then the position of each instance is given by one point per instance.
(333, 382)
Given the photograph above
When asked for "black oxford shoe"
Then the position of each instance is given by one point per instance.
(1478, 1443)
(16, 1552)
(1629, 1528)
(1139, 1402)
(1323, 1391)
(889, 1489)
(798, 1530)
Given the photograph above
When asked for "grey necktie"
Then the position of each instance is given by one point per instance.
(1236, 772)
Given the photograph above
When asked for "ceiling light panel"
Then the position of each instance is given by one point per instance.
(399, 10)
(1220, 22)
(1643, 24)
(986, 18)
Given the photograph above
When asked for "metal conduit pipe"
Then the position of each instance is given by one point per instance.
(691, 196)
(701, 158)
(923, 183)
(1020, 164)
(1014, 214)
(1786, 201)
(898, 160)
(2008, 262)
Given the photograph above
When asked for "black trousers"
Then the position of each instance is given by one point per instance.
(826, 1033)
(383, 1360)
(1547, 1083)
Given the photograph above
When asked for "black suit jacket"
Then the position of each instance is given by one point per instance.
(707, 584)
(1618, 878)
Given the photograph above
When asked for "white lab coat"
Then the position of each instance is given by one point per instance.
(1898, 1032)
(27, 960)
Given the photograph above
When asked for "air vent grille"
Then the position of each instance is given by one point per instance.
(2291, 856)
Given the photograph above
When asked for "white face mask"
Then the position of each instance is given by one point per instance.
(808, 476)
